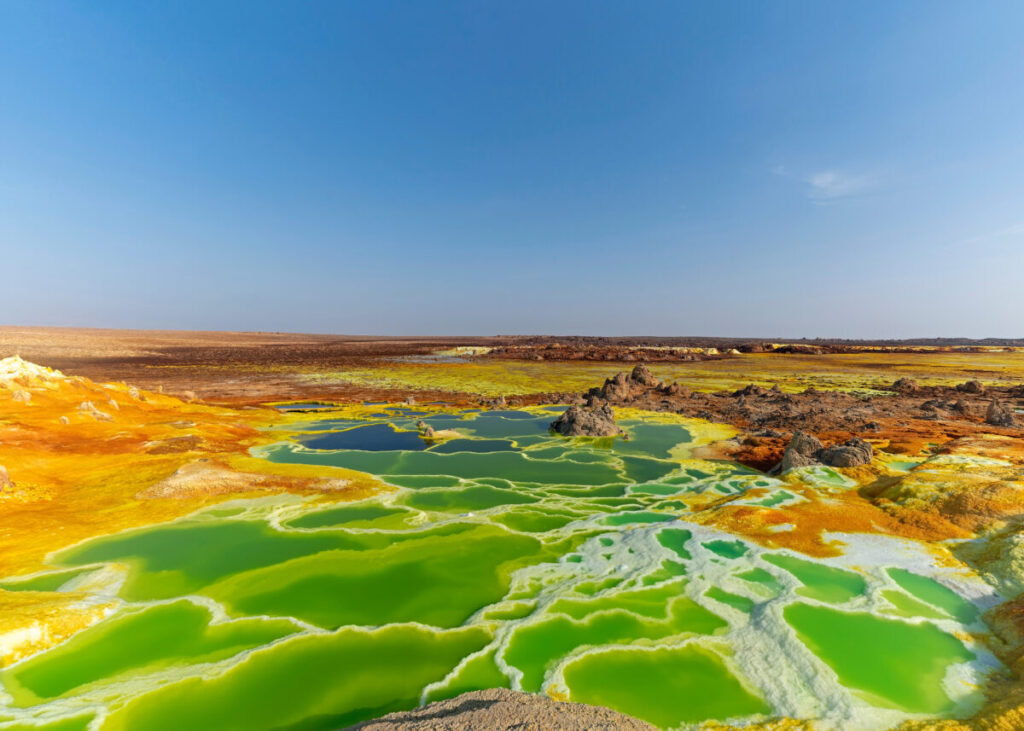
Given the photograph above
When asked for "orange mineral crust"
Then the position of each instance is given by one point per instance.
(805, 527)
(81, 459)
(35, 620)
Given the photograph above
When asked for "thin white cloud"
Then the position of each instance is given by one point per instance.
(827, 186)
(1003, 236)
(1015, 230)
(831, 185)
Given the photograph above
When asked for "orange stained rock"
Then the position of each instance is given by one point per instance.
(994, 446)
(804, 527)
(969, 496)
(83, 459)
(1004, 713)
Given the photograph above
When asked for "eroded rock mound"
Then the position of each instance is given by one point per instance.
(801, 452)
(971, 387)
(597, 420)
(805, 450)
(851, 454)
(674, 389)
(617, 388)
(998, 414)
(500, 709)
(906, 385)
(642, 375)
(623, 387)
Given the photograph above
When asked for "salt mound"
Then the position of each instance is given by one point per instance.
(202, 478)
(15, 368)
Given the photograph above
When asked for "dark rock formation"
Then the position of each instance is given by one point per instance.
(642, 375)
(971, 387)
(799, 349)
(426, 430)
(935, 405)
(805, 450)
(999, 414)
(587, 421)
(909, 420)
(854, 452)
(675, 389)
(617, 388)
(801, 452)
(624, 387)
(906, 385)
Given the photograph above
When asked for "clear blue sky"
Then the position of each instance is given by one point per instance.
(846, 169)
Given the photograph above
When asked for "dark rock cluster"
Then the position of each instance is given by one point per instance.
(906, 385)
(998, 414)
(806, 449)
(587, 421)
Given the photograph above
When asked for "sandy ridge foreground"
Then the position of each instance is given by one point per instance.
(500, 709)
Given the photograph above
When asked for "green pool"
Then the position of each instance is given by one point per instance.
(503, 556)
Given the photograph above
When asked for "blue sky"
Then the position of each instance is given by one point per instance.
(783, 169)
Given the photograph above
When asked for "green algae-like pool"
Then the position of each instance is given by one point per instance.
(504, 556)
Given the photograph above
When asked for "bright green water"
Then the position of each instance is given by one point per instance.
(162, 635)
(862, 650)
(50, 581)
(735, 601)
(935, 594)
(763, 581)
(666, 687)
(675, 540)
(313, 681)
(905, 605)
(354, 516)
(825, 583)
(511, 557)
(727, 549)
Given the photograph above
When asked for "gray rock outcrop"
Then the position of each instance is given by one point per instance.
(998, 414)
(906, 385)
(971, 387)
(801, 452)
(806, 449)
(587, 421)
(642, 375)
(855, 452)
(625, 387)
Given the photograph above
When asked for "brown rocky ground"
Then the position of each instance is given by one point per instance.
(235, 368)
(243, 368)
(499, 709)
(906, 420)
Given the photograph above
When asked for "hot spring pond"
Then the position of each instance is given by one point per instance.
(504, 556)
